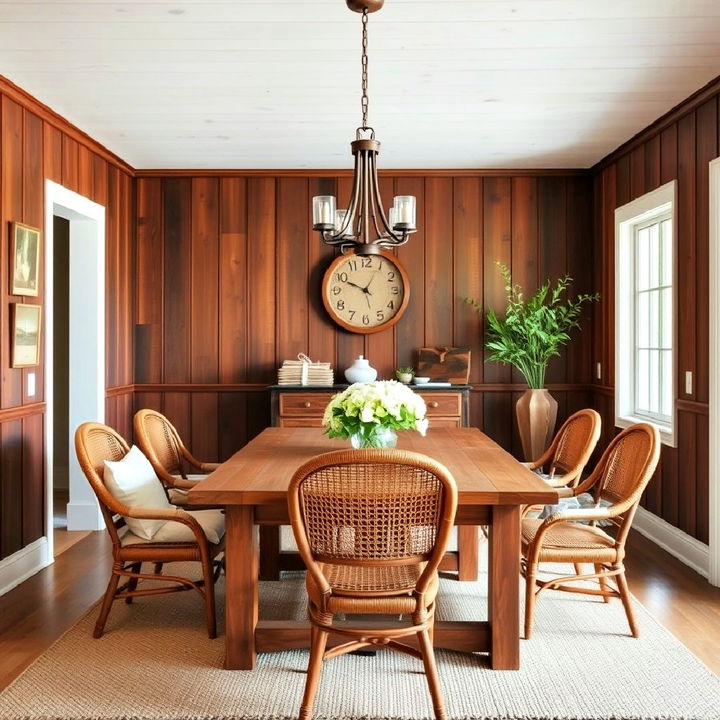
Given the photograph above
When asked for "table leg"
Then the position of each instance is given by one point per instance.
(503, 590)
(467, 552)
(269, 552)
(241, 587)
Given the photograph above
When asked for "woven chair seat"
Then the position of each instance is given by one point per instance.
(399, 579)
(571, 542)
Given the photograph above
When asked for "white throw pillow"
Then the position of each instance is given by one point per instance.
(134, 483)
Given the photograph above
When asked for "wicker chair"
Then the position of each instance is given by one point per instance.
(95, 443)
(570, 449)
(572, 536)
(161, 444)
(372, 526)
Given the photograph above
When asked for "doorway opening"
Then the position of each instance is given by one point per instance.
(74, 356)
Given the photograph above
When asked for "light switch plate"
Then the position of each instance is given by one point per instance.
(31, 384)
(688, 382)
(598, 371)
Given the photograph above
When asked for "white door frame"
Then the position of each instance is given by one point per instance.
(87, 343)
(714, 408)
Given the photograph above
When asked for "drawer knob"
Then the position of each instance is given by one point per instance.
(306, 404)
(434, 404)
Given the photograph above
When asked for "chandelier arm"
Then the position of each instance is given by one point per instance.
(365, 205)
(354, 198)
(386, 230)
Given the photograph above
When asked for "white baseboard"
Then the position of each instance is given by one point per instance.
(24, 563)
(84, 516)
(685, 548)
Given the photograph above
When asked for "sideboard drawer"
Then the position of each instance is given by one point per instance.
(303, 404)
(446, 404)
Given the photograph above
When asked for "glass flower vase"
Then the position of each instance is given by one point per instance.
(379, 437)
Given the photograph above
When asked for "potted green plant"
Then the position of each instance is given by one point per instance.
(404, 374)
(531, 332)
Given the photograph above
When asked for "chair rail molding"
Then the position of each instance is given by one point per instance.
(714, 414)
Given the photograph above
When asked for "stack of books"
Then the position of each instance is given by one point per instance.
(304, 371)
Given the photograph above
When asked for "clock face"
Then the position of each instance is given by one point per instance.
(366, 293)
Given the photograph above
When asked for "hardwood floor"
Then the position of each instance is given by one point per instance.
(36, 613)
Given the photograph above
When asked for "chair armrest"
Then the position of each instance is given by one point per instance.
(573, 515)
(209, 467)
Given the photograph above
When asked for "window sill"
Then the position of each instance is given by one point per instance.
(667, 433)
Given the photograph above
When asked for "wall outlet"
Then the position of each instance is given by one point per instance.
(688, 382)
(598, 371)
(31, 384)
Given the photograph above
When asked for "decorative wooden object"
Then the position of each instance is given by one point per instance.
(536, 413)
(253, 485)
(444, 364)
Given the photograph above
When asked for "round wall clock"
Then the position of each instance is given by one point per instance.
(365, 293)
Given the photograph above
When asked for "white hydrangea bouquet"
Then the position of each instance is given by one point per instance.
(370, 413)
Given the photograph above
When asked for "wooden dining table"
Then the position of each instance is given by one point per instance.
(492, 488)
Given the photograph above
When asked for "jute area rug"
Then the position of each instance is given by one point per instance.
(155, 661)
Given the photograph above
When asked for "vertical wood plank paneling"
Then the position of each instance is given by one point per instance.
(234, 272)
(85, 172)
(707, 150)
(553, 251)
(580, 267)
(668, 154)
(100, 180)
(321, 330)
(622, 180)
(410, 329)
(652, 163)
(52, 153)
(525, 239)
(686, 253)
(176, 280)
(702, 495)
(497, 220)
(441, 301)
(232, 423)
(261, 280)
(70, 159)
(637, 172)
(126, 237)
(33, 478)
(33, 214)
(149, 289)
(686, 485)
(468, 278)
(204, 276)
(11, 491)
(291, 266)
(350, 345)
(11, 196)
(610, 202)
(112, 280)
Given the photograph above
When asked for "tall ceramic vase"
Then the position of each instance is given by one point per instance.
(536, 412)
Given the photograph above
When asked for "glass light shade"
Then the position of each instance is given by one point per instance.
(405, 211)
(392, 217)
(340, 216)
(324, 211)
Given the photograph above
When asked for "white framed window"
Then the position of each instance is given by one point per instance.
(645, 366)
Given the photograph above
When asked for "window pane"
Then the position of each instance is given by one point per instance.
(642, 372)
(654, 381)
(666, 318)
(654, 318)
(654, 255)
(642, 320)
(667, 263)
(667, 383)
(642, 258)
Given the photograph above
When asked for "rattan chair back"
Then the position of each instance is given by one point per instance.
(159, 440)
(95, 443)
(372, 507)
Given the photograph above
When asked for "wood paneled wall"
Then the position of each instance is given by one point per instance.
(677, 147)
(36, 144)
(228, 285)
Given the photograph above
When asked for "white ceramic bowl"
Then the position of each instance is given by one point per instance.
(421, 380)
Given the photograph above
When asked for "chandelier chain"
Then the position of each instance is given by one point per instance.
(364, 98)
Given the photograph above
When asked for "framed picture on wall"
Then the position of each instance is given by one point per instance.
(25, 260)
(26, 335)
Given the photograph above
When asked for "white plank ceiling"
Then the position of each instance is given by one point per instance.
(453, 83)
